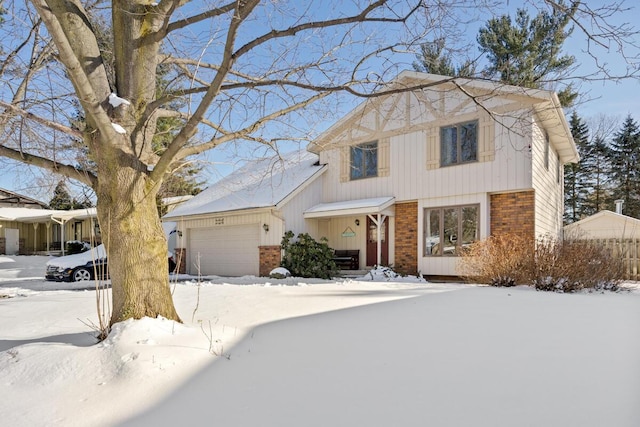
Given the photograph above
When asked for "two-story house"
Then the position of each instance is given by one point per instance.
(406, 178)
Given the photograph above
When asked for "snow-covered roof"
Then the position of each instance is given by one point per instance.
(267, 182)
(604, 225)
(12, 198)
(44, 215)
(350, 207)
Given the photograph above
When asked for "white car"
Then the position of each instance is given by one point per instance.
(79, 267)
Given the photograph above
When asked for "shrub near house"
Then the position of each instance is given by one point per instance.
(547, 264)
(307, 257)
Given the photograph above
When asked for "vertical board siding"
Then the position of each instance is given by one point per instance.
(414, 166)
(292, 211)
(628, 250)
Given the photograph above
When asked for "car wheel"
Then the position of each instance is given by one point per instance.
(81, 275)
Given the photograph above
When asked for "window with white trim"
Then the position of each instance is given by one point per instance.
(364, 160)
(448, 229)
(459, 143)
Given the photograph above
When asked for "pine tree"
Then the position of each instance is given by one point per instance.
(576, 176)
(527, 52)
(434, 60)
(61, 198)
(625, 160)
(596, 168)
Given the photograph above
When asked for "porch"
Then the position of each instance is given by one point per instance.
(357, 225)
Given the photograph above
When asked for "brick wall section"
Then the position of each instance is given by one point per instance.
(270, 258)
(406, 238)
(513, 213)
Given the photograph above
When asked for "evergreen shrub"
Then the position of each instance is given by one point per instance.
(308, 258)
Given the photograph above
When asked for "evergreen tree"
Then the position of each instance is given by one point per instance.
(527, 52)
(63, 201)
(576, 177)
(625, 160)
(596, 168)
(434, 60)
(61, 198)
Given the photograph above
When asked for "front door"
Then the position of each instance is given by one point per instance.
(12, 241)
(372, 242)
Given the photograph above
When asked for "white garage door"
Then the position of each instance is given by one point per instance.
(225, 251)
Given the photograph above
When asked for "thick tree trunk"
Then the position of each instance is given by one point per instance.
(136, 245)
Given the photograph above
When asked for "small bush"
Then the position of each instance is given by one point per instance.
(75, 247)
(572, 265)
(554, 265)
(307, 257)
(503, 260)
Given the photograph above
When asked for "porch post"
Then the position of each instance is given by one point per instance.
(378, 242)
(378, 220)
(61, 222)
(35, 236)
(48, 224)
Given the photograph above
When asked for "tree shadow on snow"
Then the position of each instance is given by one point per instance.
(81, 339)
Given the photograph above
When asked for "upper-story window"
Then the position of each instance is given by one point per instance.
(364, 160)
(459, 143)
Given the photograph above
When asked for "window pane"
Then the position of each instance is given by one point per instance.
(450, 237)
(371, 159)
(468, 142)
(357, 160)
(449, 145)
(470, 223)
(432, 233)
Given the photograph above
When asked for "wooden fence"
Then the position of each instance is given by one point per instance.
(629, 251)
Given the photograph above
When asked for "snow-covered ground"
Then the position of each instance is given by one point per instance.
(297, 352)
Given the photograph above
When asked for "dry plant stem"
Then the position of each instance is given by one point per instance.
(197, 265)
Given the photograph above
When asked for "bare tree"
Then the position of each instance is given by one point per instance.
(241, 69)
(251, 65)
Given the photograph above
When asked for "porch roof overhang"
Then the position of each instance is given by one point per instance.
(378, 205)
(27, 215)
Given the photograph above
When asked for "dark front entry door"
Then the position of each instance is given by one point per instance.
(372, 242)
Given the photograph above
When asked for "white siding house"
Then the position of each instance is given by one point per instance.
(410, 177)
(463, 159)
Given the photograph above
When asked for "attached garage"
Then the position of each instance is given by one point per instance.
(235, 227)
(224, 251)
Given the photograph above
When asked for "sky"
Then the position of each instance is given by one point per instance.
(615, 99)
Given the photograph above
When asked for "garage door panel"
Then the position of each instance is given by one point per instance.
(225, 251)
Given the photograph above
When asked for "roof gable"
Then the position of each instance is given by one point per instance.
(415, 99)
(267, 182)
(604, 224)
(14, 199)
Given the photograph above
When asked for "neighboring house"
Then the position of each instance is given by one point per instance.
(407, 179)
(170, 203)
(9, 199)
(617, 233)
(31, 231)
(604, 225)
